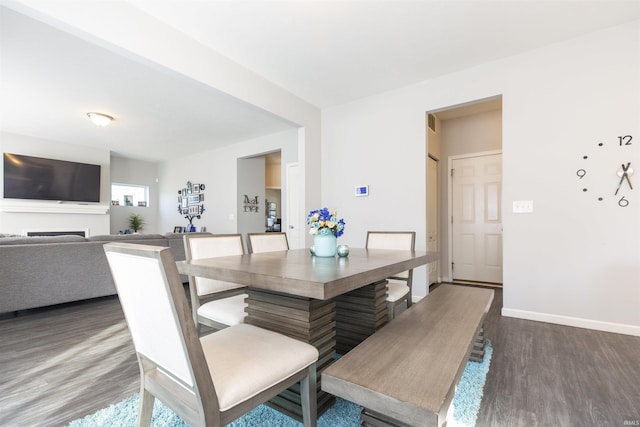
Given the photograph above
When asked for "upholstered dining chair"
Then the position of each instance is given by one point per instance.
(208, 381)
(215, 303)
(267, 242)
(400, 285)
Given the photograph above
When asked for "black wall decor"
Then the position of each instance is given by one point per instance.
(191, 201)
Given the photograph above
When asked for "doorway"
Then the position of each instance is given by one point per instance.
(260, 207)
(273, 191)
(457, 132)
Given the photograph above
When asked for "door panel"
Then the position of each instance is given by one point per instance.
(468, 203)
(477, 218)
(492, 203)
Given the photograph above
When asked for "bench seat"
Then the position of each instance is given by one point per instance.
(408, 371)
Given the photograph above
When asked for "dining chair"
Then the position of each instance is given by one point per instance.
(207, 381)
(399, 286)
(267, 242)
(215, 303)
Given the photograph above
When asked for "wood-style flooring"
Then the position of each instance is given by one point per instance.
(62, 363)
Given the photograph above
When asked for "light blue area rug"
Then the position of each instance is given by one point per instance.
(342, 414)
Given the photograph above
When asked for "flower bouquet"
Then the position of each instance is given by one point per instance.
(326, 227)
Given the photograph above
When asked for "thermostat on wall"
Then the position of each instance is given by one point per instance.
(362, 190)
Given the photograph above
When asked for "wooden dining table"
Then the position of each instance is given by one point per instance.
(333, 303)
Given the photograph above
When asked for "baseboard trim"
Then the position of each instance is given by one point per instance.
(618, 328)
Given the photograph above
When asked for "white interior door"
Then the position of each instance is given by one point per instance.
(293, 224)
(432, 215)
(476, 218)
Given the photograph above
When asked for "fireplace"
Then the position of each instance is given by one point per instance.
(81, 233)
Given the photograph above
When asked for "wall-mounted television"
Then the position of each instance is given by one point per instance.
(36, 178)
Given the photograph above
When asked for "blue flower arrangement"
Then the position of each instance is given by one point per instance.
(324, 222)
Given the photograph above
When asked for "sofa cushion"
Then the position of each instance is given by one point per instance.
(8, 235)
(123, 237)
(179, 236)
(22, 240)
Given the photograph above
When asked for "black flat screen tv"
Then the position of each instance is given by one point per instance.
(36, 178)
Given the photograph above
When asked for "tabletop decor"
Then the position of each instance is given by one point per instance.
(326, 227)
(343, 251)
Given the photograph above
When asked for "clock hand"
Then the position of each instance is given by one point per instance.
(620, 183)
(625, 175)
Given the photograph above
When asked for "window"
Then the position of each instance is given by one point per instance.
(129, 195)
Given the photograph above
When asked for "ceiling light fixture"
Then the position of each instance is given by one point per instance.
(100, 119)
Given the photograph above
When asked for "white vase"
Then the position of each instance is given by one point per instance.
(325, 245)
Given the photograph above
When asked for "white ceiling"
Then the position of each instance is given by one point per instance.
(329, 52)
(326, 52)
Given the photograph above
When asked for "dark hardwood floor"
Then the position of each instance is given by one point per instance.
(62, 363)
(544, 374)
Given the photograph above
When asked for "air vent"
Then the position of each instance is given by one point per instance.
(431, 121)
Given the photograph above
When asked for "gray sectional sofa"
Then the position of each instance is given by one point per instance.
(42, 271)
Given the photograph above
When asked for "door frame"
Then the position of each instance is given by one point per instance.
(438, 231)
(450, 160)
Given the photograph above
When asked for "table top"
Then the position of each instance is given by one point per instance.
(296, 272)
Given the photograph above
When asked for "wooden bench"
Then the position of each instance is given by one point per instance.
(406, 373)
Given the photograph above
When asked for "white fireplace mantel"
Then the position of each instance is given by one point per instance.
(39, 207)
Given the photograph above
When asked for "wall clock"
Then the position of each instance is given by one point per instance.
(613, 170)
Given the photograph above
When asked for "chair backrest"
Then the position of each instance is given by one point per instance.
(394, 240)
(211, 246)
(267, 242)
(154, 303)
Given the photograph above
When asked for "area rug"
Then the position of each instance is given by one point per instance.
(343, 413)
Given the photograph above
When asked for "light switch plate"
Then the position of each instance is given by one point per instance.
(522, 206)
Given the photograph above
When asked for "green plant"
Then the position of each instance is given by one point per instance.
(136, 222)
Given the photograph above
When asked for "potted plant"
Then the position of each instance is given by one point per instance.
(136, 223)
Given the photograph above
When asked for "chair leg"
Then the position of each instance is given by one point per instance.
(145, 408)
(308, 397)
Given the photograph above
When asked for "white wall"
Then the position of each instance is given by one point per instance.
(18, 216)
(135, 172)
(574, 260)
(473, 133)
(217, 169)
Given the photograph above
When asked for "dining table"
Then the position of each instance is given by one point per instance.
(333, 303)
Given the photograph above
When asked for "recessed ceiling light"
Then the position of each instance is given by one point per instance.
(100, 119)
